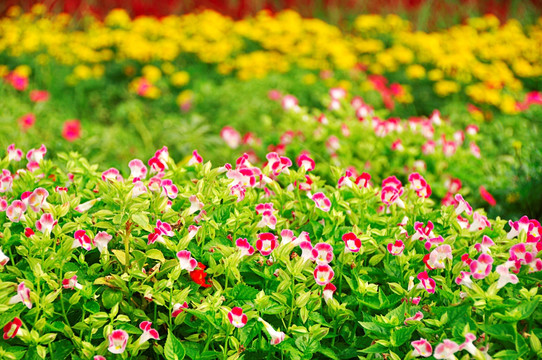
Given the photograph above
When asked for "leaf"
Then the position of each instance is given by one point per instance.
(8, 316)
(61, 349)
(329, 353)
(399, 337)
(306, 344)
(120, 255)
(143, 221)
(375, 349)
(92, 306)
(376, 259)
(244, 292)
(173, 350)
(156, 255)
(111, 297)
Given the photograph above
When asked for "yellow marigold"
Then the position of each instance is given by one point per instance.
(14, 11)
(38, 9)
(168, 68)
(151, 73)
(180, 78)
(224, 68)
(415, 71)
(345, 84)
(184, 97)
(435, 75)
(4, 70)
(508, 104)
(98, 71)
(23, 70)
(117, 17)
(153, 93)
(82, 72)
(445, 87)
(309, 79)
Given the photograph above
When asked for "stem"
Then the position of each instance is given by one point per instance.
(127, 245)
(228, 334)
(293, 303)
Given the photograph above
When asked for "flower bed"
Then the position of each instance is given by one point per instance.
(183, 260)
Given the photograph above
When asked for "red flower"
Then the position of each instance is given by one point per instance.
(425, 260)
(487, 196)
(71, 130)
(11, 328)
(198, 276)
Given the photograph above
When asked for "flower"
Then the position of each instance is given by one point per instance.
(468, 344)
(351, 242)
(484, 246)
(287, 236)
(516, 227)
(81, 239)
(328, 292)
(390, 195)
(422, 348)
(4, 259)
(278, 163)
(479, 222)
(396, 248)
(321, 201)
(23, 295)
(237, 318)
(417, 317)
(112, 174)
(39, 95)
(244, 246)
(345, 180)
(324, 253)
(426, 282)
(462, 205)
(198, 276)
(192, 231)
(446, 350)
(423, 232)
(464, 279)
(481, 267)
(27, 121)
(148, 332)
(12, 328)
(195, 159)
(195, 204)
(323, 274)
(363, 180)
(71, 283)
(178, 308)
(15, 212)
(6, 182)
(439, 255)
(266, 243)
(46, 223)
(169, 189)
(276, 336)
(38, 199)
(71, 130)
(289, 103)
(307, 251)
(14, 154)
(36, 155)
(419, 184)
(137, 169)
(186, 261)
(505, 277)
(117, 341)
(101, 240)
(231, 137)
(304, 161)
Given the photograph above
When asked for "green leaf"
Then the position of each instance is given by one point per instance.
(244, 292)
(92, 306)
(156, 255)
(111, 297)
(329, 353)
(399, 337)
(61, 349)
(143, 221)
(173, 350)
(375, 349)
(306, 344)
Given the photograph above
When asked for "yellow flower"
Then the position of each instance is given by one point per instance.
(445, 87)
(185, 97)
(118, 17)
(180, 78)
(23, 70)
(415, 71)
(508, 104)
(309, 79)
(151, 73)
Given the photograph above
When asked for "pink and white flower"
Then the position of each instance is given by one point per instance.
(266, 243)
(396, 248)
(38, 199)
(11, 329)
(516, 227)
(118, 340)
(323, 274)
(278, 163)
(81, 239)
(6, 181)
(438, 256)
(464, 279)
(422, 348)
(195, 159)
(101, 240)
(484, 246)
(351, 242)
(86, 206)
(505, 277)
(446, 350)
(479, 222)
(391, 195)
(15, 211)
(46, 223)
(231, 137)
(195, 204)
(287, 236)
(345, 180)
(23, 295)
(328, 292)
(307, 251)
(148, 332)
(290, 103)
(14, 154)
(244, 246)
(423, 232)
(468, 344)
(169, 189)
(137, 169)
(419, 184)
(481, 267)
(4, 259)
(138, 189)
(237, 318)
(417, 317)
(178, 308)
(462, 205)
(36, 155)
(426, 282)
(321, 201)
(112, 174)
(186, 261)
(325, 253)
(192, 231)
(276, 336)
(304, 161)
(71, 283)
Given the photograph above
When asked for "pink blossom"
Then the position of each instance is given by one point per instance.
(239, 191)
(276, 336)
(244, 246)
(345, 180)
(6, 181)
(505, 277)
(426, 282)
(417, 317)
(423, 232)
(323, 274)
(328, 292)
(390, 195)
(81, 239)
(195, 205)
(14, 154)
(363, 180)
(4, 259)
(39, 95)
(117, 341)
(481, 267)
(71, 283)
(307, 251)
(27, 121)
(38, 199)
(15, 211)
(112, 174)
(148, 332)
(237, 318)
(464, 279)
(517, 227)
(439, 256)
(231, 137)
(479, 222)
(278, 163)
(325, 253)
(36, 155)
(46, 223)
(422, 348)
(169, 189)
(192, 231)
(468, 344)
(290, 103)
(23, 295)
(274, 95)
(287, 236)
(266, 243)
(484, 246)
(138, 169)
(11, 329)
(462, 205)
(446, 350)
(351, 242)
(304, 161)
(186, 261)
(195, 159)
(396, 248)
(71, 130)
(178, 308)
(86, 206)
(321, 201)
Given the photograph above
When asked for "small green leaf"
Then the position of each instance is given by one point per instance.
(244, 292)
(399, 337)
(173, 350)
